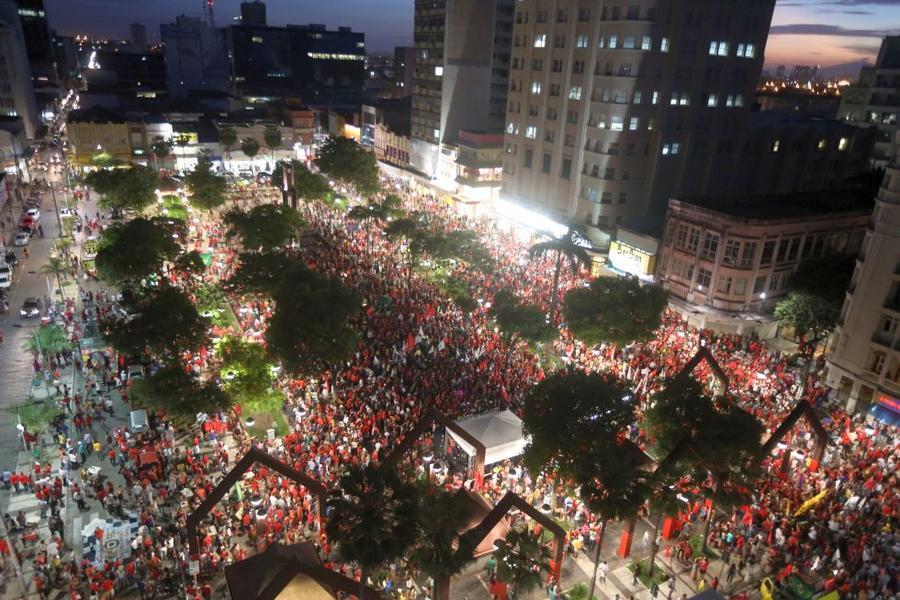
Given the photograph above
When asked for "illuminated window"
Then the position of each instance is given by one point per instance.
(439, 71)
(712, 100)
(531, 132)
(257, 39)
(581, 41)
(535, 87)
(575, 92)
(746, 50)
(842, 144)
(540, 40)
(613, 41)
(664, 45)
(646, 43)
(718, 48)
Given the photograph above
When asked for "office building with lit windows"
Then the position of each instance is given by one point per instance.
(461, 77)
(17, 98)
(305, 61)
(615, 107)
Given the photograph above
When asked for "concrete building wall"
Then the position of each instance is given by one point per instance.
(864, 363)
(16, 89)
(613, 109)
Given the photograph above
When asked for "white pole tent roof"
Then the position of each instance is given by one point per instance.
(500, 432)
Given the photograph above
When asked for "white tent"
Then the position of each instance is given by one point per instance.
(500, 432)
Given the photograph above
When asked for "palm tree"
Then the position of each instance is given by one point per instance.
(272, 137)
(521, 561)
(227, 139)
(63, 244)
(373, 518)
(161, 148)
(566, 249)
(56, 266)
(250, 148)
(567, 437)
(441, 552)
(182, 140)
(46, 340)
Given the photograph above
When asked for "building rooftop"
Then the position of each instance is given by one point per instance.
(96, 114)
(788, 206)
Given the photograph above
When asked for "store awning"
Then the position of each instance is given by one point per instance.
(500, 433)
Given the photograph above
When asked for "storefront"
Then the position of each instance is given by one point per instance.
(634, 253)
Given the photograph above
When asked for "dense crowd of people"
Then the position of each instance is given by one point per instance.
(418, 349)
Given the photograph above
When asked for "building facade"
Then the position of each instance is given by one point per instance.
(98, 130)
(253, 14)
(296, 61)
(195, 56)
(479, 172)
(864, 362)
(461, 75)
(17, 97)
(874, 101)
(614, 109)
(404, 70)
(37, 42)
(738, 258)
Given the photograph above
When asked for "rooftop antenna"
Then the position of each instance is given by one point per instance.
(208, 12)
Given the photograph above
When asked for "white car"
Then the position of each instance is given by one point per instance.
(22, 239)
(65, 212)
(5, 276)
(33, 213)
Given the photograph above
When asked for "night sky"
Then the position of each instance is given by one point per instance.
(825, 32)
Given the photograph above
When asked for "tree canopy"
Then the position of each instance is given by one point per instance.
(133, 250)
(309, 330)
(614, 309)
(127, 188)
(524, 320)
(815, 296)
(265, 272)
(374, 518)
(264, 227)
(250, 147)
(207, 189)
(345, 160)
(272, 137)
(307, 185)
(162, 321)
(177, 394)
(567, 249)
(566, 413)
(441, 552)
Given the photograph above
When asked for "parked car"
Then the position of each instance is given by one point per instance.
(135, 371)
(27, 221)
(31, 308)
(11, 259)
(34, 213)
(65, 212)
(22, 238)
(5, 276)
(139, 421)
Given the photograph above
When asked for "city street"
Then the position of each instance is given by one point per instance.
(16, 370)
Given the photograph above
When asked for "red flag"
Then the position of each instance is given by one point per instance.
(410, 342)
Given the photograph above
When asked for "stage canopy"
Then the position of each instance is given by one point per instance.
(500, 433)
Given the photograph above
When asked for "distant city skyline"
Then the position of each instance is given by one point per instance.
(803, 31)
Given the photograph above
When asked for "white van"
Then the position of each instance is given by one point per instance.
(139, 421)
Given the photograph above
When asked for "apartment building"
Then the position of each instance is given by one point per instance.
(864, 363)
(461, 76)
(614, 107)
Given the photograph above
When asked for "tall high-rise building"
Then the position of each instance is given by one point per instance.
(864, 364)
(461, 72)
(614, 109)
(37, 41)
(137, 34)
(196, 57)
(875, 99)
(253, 14)
(16, 90)
(297, 61)
(404, 70)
